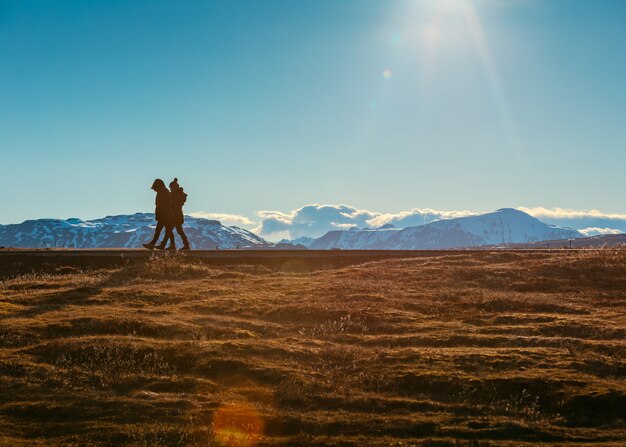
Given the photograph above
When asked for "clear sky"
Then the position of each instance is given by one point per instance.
(271, 105)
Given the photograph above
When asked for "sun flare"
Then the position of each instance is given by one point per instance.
(440, 7)
(438, 26)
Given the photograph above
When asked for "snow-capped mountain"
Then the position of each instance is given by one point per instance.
(125, 231)
(503, 226)
(305, 241)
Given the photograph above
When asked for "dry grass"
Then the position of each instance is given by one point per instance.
(468, 349)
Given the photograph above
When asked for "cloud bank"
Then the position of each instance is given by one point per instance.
(589, 222)
(226, 219)
(594, 231)
(564, 213)
(315, 220)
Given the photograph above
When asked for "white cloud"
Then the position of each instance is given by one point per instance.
(578, 219)
(224, 218)
(312, 220)
(343, 226)
(316, 220)
(414, 217)
(564, 213)
(274, 223)
(594, 231)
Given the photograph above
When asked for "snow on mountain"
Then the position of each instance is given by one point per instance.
(503, 226)
(306, 241)
(125, 231)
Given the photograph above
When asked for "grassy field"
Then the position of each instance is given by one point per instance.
(467, 349)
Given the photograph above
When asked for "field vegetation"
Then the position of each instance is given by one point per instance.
(467, 349)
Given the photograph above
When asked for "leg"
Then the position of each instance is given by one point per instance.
(169, 234)
(183, 236)
(157, 232)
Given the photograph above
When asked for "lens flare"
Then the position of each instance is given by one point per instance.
(493, 78)
(432, 21)
(387, 74)
(237, 425)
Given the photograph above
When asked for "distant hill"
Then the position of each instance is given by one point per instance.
(503, 226)
(603, 240)
(124, 231)
(303, 241)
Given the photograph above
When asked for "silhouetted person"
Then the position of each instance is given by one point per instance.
(163, 216)
(178, 197)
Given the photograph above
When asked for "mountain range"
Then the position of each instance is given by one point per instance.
(124, 231)
(504, 226)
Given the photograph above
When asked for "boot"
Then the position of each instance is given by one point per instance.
(161, 246)
(149, 245)
(172, 247)
(186, 247)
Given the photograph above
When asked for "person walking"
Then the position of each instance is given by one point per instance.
(163, 216)
(178, 199)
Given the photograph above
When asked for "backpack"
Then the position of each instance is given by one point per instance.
(181, 197)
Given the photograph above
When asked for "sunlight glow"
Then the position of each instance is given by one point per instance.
(432, 20)
(238, 425)
(493, 77)
(443, 6)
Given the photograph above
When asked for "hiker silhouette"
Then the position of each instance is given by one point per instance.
(169, 214)
(178, 197)
(162, 214)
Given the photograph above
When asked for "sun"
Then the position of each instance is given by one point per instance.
(429, 20)
(434, 27)
(441, 7)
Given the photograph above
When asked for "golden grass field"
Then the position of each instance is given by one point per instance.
(466, 349)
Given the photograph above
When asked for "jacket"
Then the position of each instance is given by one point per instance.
(178, 199)
(163, 211)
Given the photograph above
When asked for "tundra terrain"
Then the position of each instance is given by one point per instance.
(463, 349)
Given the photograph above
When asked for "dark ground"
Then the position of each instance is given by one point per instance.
(467, 348)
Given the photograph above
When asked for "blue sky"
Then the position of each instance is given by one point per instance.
(382, 105)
